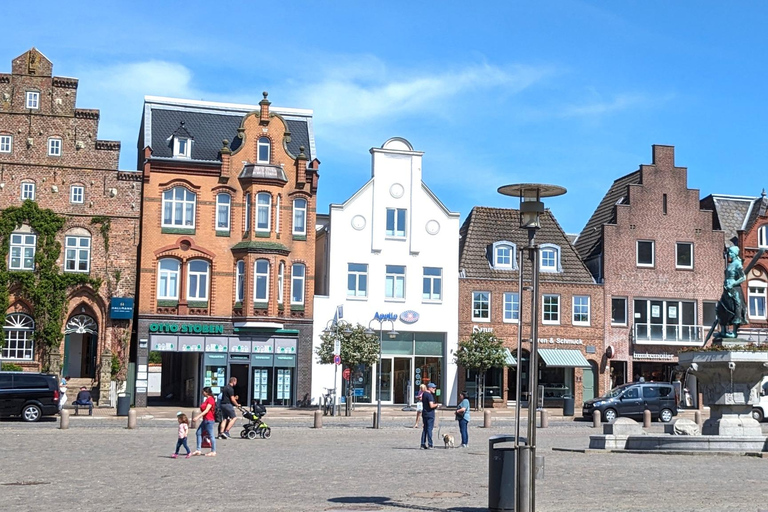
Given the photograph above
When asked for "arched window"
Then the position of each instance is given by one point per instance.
(299, 216)
(223, 202)
(77, 252)
(197, 280)
(18, 333)
(549, 259)
(298, 272)
(179, 208)
(263, 211)
(168, 279)
(240, 284)
(264, 150)
(261, 281)
(280, 273)
(762, 236)
(504, 255)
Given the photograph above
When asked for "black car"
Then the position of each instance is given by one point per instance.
(631, 400)
(28, 395)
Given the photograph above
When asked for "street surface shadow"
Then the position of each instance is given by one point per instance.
(385, 501)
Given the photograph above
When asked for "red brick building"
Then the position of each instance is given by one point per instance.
(660, 261)
(571, 323)
(227, 254)
(50, 154)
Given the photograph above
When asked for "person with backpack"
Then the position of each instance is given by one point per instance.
(227, 405)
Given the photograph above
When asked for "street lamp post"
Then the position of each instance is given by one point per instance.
(531, 208)
(391, 334)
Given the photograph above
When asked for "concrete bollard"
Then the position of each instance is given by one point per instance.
(697, 419)
(375, 414)
(596, 419)
(64, 420)
(318, 419)
(132, 419)
(646, 419)
(544, 418)
(486, 419)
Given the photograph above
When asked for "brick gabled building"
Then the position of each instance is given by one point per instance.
(745, 223)
(660, 261)
(50, 153)
(227, 253)
(571, 323)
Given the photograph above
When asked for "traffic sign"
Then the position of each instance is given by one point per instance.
(336, 359)
(346, 373)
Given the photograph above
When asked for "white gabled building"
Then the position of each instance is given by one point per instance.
(392, 248)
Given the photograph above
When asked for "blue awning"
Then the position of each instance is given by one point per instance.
(510, 359)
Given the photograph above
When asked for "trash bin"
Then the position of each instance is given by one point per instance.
(567, 405)
(123, 404)
(502, 468)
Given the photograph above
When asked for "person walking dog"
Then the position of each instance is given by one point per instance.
(429, 403)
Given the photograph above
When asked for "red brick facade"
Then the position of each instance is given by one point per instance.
(52, 146)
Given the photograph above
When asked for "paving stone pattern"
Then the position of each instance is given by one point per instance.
(347, 467)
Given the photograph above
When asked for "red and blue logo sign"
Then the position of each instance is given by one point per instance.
(409, 317)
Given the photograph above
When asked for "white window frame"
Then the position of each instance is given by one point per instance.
(261, 277)
(511, 307)
(182, 147)
(550, 309)
(32, 100)
(202, 281)
(77, 194)
(480, 298)
(653, 253)
(428, 293)
(227, 214)
(762, 236)
(391, 280)
(267, 207)
(248, 209)
(278, 200)
(678, 245)
(577, 309)
(495, 260)
(544, 249)
(357, 275)
(240, 281)
(280, 282)
(25, 245)
(75, 253)
(18, 333)
(28, 190)
(54, 146)
(757, 290)
(168, 276)
(395, 232)
(626, 312)
(298, 282)
(297, 210)
(6, 143)
(263, 143)
(187, 220)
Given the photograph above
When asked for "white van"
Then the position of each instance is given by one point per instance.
(760, 409)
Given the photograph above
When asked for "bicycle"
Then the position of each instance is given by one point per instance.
(329, 402)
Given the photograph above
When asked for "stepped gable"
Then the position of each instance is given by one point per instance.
(484, 226)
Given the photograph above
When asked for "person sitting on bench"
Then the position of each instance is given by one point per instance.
(84, 400)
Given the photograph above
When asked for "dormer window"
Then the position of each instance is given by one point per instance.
(504, 255)
(549, 258)
(181, 147)
(263, 151)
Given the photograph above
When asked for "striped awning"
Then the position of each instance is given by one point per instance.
(510, 359)
(563, 358)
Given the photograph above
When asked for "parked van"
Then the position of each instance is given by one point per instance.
(28, 395)
(760, 409)
(632, 399)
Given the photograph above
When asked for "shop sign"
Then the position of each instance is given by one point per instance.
(120, 308)
(653, 357)
(187, 328)
(561, 341)
(262, 349)
(477, 328)
(385, 317)
(409, 317)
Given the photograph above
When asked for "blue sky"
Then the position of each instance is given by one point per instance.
(570, 93)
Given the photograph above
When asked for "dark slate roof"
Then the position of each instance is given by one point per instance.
(589, 242)
(484, 226)
(759, 209)
(730, 213)
(210, 123)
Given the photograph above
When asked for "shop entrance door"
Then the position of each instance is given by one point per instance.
(240, 372)
(588, 382)
(402, 378)
(386, 381)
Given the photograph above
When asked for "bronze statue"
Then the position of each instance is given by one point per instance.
(731, 309)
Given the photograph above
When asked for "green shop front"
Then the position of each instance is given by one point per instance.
(195, 356)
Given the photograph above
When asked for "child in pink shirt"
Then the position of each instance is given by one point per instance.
(183, 431)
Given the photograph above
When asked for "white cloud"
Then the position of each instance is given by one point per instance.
(618, 103)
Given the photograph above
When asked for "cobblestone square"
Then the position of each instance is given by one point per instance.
(99, 465)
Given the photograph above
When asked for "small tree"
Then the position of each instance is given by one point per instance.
(357, 347)
(481, 352)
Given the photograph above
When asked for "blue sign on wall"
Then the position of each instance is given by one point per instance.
(121, 308)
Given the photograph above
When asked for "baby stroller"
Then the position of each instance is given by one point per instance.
(255, 427)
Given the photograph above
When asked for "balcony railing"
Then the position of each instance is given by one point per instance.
(660, 334)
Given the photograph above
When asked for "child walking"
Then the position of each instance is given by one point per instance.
(183, 431)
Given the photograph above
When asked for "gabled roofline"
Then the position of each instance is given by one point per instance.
(225, 107)
(733, 197)
(439, 202)
(341, 206)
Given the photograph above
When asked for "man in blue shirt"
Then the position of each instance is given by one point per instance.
(428, 415)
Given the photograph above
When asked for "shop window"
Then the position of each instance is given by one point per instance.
(618, 311)
(168, 279)
(261, 281)
(179, 208)
(22, 251)
(662, 321)
(757, 297)
(198, 272)
(684, 255)
(481, 306)
(18, 332)
(432, 288)
(394, 282)
(357, 280)
(645, 253)
(550, 313)
(511, 307)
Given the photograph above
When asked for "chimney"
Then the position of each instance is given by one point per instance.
(264, 114)
(226, 158)
(301, 168)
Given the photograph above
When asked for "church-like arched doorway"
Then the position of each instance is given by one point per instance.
(81, 338)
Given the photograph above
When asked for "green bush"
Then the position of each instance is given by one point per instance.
(155, 357)
(11, 367)
(115, 366)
